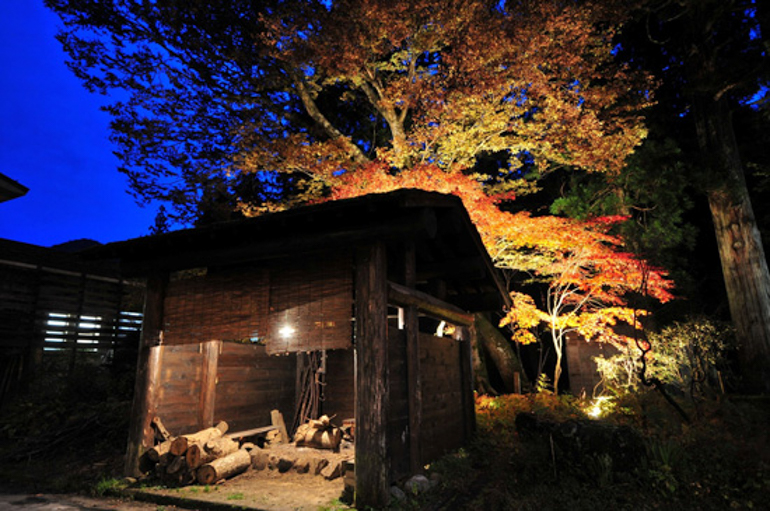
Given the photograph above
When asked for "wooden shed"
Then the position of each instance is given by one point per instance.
(233, 311)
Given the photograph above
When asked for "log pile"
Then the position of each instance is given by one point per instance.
(212, 455)
(205, 457)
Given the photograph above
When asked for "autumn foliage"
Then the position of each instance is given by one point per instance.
(587, 275)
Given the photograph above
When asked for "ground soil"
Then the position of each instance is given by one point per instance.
(267, 490)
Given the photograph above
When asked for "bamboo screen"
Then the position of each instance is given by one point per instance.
(311, 303)
(226, 306)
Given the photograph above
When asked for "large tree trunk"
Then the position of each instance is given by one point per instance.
(744, 265)
(500, 353)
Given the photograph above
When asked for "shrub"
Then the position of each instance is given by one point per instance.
(690, 357)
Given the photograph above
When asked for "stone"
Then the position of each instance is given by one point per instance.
(302, 465)
(397, 494)
(417, 485)
(284, 464)
(333, 470)
(317, 464)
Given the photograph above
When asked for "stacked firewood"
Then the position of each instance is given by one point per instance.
(207, 456)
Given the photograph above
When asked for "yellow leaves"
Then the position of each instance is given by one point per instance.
(522, 317)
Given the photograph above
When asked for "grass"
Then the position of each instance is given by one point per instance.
(109, 486)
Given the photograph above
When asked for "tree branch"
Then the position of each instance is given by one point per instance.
(313, 111)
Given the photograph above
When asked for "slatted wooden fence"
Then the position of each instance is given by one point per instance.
(57, 312)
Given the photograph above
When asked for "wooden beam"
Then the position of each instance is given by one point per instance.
(141, 434)
(251, 432)
(404, 296)
(372, 378)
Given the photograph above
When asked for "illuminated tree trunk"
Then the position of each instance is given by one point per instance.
(558, 346)
(744, 265)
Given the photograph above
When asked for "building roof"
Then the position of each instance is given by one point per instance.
(25, 255)
(448, 246)
(10, 189)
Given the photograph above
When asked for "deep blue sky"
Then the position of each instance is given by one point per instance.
(54, 141)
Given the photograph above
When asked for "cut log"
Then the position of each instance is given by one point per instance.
(198, 454)
(222, 446)
(180, 444)
(320, 434)
(176, 465)
(276, 418)
(222, 468)
(161, 433)
(321, 438)
(154, 453)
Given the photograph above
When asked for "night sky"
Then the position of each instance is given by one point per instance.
(54, 141)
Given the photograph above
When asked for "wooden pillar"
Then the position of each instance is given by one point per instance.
(414, 382)
(372, 378)
(466, 376)
(140, 435)
(210, 363)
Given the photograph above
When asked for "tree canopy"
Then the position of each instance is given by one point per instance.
(273, 100)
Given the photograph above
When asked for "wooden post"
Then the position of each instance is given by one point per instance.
(209, 383)
(141, 435)
(372, 379)
(414, 382)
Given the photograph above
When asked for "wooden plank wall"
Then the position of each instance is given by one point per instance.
(179, 388)
(250, 383)
(339, 392)
(398, 415)
(443, 426)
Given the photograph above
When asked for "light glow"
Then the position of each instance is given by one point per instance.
(599, 407)
(286, 331)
